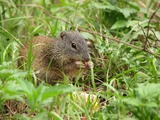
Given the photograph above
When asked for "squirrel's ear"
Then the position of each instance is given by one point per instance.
(63, 34)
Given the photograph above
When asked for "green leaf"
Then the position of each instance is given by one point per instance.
(119, 24)
(18, 75)
(56, 116)
(99, 5)
(5, 65)
(41, 116)
(57, 90)
(138, 103)
(148, 91)
(143, 75)
(87, 35)
(132, 23)
(21, 117)
(27, 86)
(12, 90)
(132, 101)
(127, 11)
(54, 29)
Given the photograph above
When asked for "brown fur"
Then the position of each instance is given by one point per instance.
(49, 62)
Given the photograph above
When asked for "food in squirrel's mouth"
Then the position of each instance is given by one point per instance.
(88, 65)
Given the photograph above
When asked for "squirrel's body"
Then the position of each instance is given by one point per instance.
(54, 58)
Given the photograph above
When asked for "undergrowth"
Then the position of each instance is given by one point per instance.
(124, 83)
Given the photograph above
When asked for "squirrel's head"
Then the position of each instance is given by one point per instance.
(74, 46)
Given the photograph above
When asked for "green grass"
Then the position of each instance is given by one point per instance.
(125, 81)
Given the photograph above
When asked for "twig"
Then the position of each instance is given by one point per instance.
(155, 36)
(114, 39)
(147, 34)
(119, 41)
(142, 41)
(10, 110)
(150, 21)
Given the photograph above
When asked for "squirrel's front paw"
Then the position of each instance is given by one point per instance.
(89, 65)
(80, 64)
(85, 65)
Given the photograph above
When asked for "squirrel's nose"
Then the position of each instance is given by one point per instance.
(85, 59)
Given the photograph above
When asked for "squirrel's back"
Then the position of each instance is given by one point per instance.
(34, 45)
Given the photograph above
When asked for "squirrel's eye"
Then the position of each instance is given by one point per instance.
(74, 46)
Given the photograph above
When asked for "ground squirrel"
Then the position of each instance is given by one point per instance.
(55, 57)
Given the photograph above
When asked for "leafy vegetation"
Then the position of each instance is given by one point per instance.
(124, 46)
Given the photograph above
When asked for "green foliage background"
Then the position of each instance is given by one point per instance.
(126, 80)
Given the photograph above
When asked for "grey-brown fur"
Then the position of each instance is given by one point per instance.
(53, 57)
